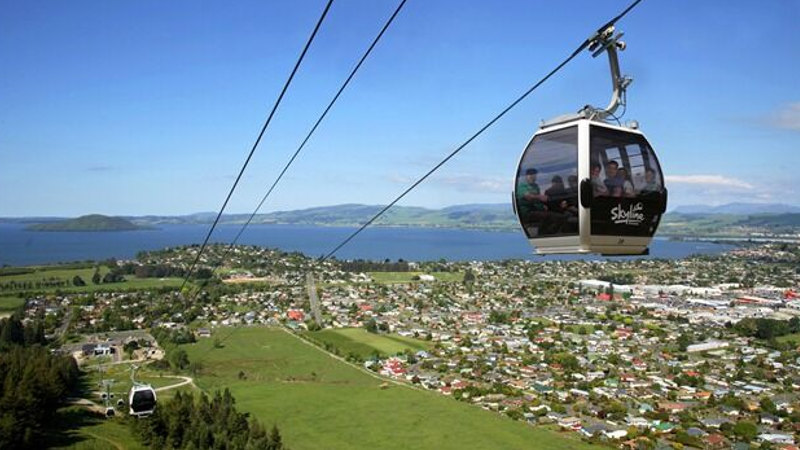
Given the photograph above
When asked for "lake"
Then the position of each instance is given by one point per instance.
(21, 247)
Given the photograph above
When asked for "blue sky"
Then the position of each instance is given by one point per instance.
(150, 107)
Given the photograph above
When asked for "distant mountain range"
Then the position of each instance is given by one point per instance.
(484, 216)
(695, 220)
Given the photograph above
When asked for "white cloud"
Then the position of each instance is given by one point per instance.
(787, 118)
(476, 183)
(708, 180)
(400, 179)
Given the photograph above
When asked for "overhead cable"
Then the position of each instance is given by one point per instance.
(502, 113)
(257, 141)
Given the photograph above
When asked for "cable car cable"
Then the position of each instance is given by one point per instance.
(308, 136)
(258, 140)
(583, 46)
(319, 120)
(519, 99)
(302, 145)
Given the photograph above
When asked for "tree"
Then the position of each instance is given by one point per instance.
(745, 430)
(684, 341)
(178, 359)
(96, 276)
(371, 325)
(469, 277)
(767, 405)
(275, 440)
(78, 281)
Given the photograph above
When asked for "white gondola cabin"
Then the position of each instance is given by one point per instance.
(585, 186)
(142, 400)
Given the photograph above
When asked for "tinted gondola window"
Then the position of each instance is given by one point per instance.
(629, 184)
(546, 193)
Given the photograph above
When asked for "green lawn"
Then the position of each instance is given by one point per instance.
(43, 273)
(365, 344)
(10, 304)
(407, 277)
(792, 338)
(319, 402)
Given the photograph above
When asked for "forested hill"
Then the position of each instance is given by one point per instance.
(92, 222)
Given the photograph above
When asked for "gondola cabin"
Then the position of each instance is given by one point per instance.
(142, 400)
(586, 186)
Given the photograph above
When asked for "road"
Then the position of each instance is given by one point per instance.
(184, 382)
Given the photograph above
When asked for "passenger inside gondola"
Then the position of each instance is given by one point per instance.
(650, 183)
(627, 185)
(599, 188)
(571, 210)
(613, 182)
(533, 207)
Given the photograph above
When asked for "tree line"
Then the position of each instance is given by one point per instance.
(767, 328)
(33, 382)
(360, 265)
(187, 422)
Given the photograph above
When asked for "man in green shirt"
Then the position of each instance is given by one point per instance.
(532, 208)
(529, 197)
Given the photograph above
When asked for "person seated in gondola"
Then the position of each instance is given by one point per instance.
(613, 182)
(627, 184)
(650, 183)
(532, 206)
(571, 209)
(556, 195)
(599, 188)
(557, 204)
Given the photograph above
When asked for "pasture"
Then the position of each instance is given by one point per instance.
(45, 278)
(320, 402)
(365, 344)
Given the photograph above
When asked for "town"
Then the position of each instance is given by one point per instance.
(699, 352)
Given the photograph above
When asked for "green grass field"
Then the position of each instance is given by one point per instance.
(79, 429)
(407, 277)
(46, 272)
(792, 338)
(319, 402)
(10, 304)
(365, 344)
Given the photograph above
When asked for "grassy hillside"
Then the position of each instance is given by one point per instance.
(319, 402)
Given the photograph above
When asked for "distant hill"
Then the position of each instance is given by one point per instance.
(482, 216)
(684, 221)
(738, 208)
(92, 222)
(773, 220)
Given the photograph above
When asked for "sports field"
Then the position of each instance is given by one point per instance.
(44, 274)
(320, 402)
(364, 344)
(408, 277)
